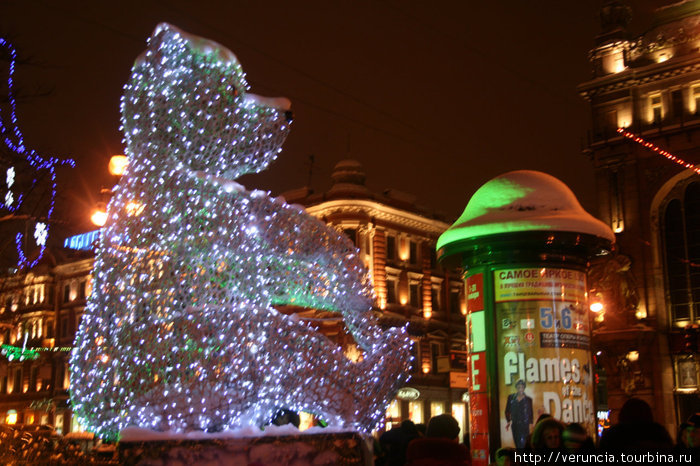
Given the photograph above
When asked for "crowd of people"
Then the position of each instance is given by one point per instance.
(436, 444)
(636, 431)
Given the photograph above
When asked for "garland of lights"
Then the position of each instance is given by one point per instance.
(38, 167)
(180, 332)
(658, 150)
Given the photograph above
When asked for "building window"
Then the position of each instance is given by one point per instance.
(393, 415)
(64, 327)
(34, 374)
(66, 293)
(414, 294)
(412, 252)
(686, 373)
(681, 235)
(390, 247)
(617, 216)
(437, 408)
(391, 290)
(415, 411)
(454, 302)
(82, 287)
(59, 375)
(66, 376)
(17, 382)
(435, 297)
(656, 107)
(696, 100)
(677, 103)
(352, 234)
(435, 353)
(459, 412)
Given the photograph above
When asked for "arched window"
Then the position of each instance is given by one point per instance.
(681, 224)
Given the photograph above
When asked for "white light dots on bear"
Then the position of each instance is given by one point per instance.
(180, 332)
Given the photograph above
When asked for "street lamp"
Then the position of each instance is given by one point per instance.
(99, 215)
(117, 165)
(596, 307)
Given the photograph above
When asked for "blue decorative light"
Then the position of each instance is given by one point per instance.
(83, 242)
(12, 138)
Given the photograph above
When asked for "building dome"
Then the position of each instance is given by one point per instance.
(521, 201)
(348, 180)
(348, 171)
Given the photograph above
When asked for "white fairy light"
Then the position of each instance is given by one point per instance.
(41, 233)
(183, 303)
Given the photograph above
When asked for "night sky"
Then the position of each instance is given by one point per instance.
(433, 98)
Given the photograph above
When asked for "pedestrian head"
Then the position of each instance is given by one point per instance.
(636, 411)
(574, 437)
(505, 456)
(547, 434)
(443, 426)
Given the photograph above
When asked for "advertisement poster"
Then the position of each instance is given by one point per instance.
(543, 346)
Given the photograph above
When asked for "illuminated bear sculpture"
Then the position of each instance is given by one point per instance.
(179, 332)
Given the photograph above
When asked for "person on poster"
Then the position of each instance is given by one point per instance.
(519, 414)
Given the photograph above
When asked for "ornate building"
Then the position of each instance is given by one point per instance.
(396, 239)
(645, 139)
(39, 315)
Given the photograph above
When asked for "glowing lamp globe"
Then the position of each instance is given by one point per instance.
(596, 307)
(99, 216)
(117, 164)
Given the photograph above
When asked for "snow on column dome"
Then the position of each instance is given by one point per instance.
(521, 201)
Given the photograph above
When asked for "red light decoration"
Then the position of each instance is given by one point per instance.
(658, 150)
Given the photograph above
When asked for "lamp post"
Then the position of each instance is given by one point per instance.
(117, 165)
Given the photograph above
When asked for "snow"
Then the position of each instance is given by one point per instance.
(138, 434)
(280, 103)
(205, 46)
(523, 200)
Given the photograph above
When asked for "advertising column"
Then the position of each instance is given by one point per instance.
(524, 244)
(543, 346)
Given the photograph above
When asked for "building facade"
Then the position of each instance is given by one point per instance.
(396, 239)
(39, 314)
(644, 144)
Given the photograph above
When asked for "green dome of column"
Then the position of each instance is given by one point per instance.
(527, 205)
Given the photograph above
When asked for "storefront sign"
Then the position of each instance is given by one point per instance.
(408, 393)
(458, 380)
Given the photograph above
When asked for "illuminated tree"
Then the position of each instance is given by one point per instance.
(180, 332)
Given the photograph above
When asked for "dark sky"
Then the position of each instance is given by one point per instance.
(434, 98)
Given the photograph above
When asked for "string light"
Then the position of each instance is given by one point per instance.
(13, 141)
(180, 332)
(658, 150)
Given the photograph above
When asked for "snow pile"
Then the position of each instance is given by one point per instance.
(520, 201)
(275, 446)
(138, 434)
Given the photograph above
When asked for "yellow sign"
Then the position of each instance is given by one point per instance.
(458, 380)
(539, 283)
